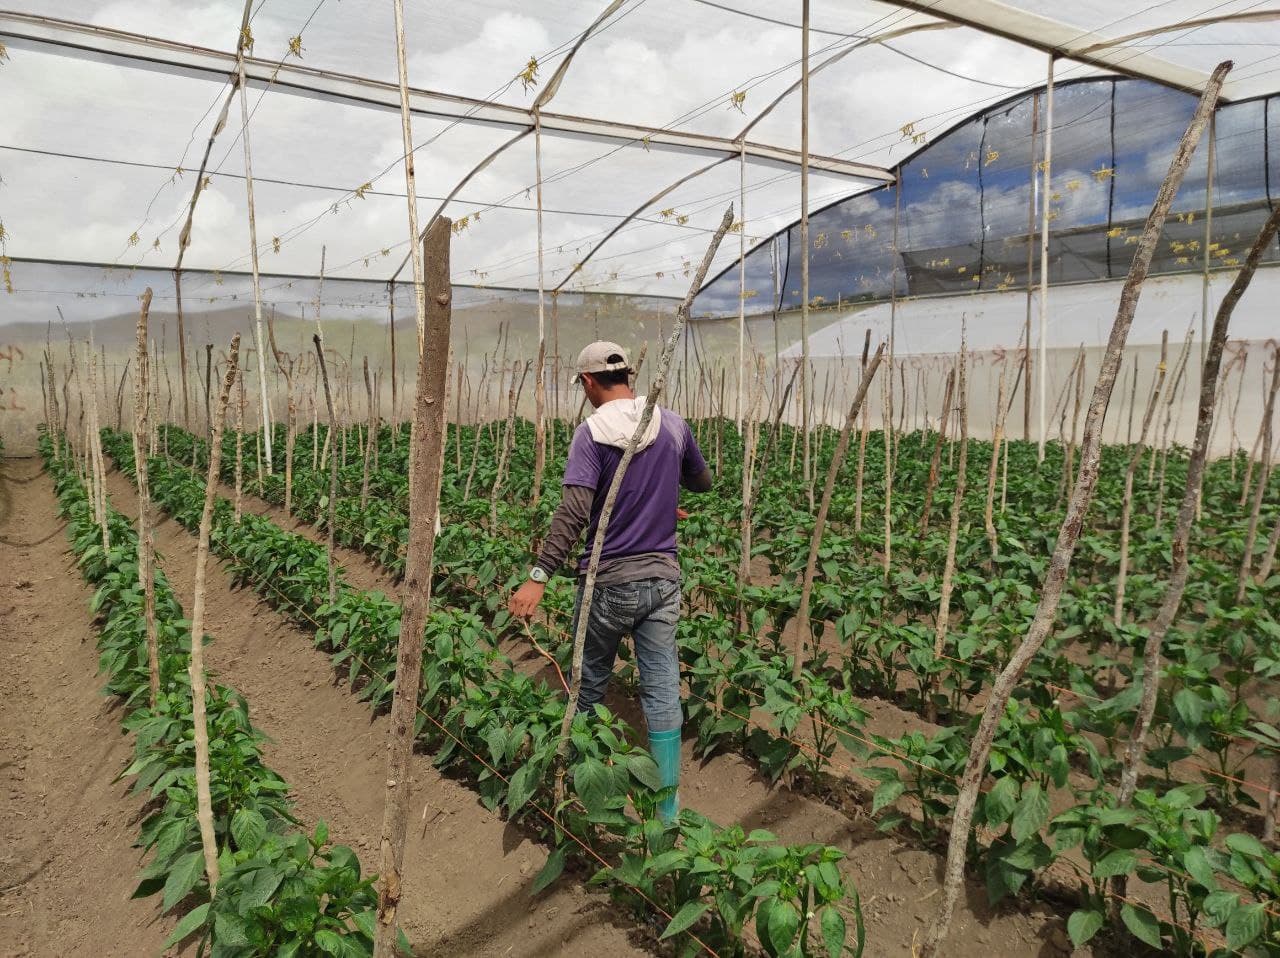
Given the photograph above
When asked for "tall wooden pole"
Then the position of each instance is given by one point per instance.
(804, 248)
(195, 669)
(427, 451)
(540, 380)
(1046, 194)
(742, 281)
(146, 556)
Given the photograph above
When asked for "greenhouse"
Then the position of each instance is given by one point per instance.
(640, 477)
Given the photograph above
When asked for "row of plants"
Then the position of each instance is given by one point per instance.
(738, 687)
(282, 891)
(499, 728)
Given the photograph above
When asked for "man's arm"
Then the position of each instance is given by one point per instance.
(699, 483)
(570, 519)
(695, 474)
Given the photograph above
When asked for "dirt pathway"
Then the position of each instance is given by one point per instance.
(67, 862)
(466, 872)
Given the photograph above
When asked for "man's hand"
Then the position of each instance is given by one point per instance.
(525, 599)
(681, 513)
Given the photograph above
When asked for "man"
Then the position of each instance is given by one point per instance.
(637, 587)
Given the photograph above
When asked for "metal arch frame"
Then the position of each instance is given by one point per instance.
(741, 138)
(27, 31)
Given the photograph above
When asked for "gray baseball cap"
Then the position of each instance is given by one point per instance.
(602, 357)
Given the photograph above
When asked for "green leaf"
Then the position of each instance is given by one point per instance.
(833, 931)
(1219, 906)
(265, 883)
(182, 878)
(685, 917)
(1000, 801)
(329, 942)
(1083, 925)
(1245, 845)
(1142, 924)
(1190, 708)
(1031, 813)
(644, 770)
(248, 828)
(784, 921)
(522, 787)
(229, 929)
(191, 921)
(1244, 925)
(886, 794)
(550, 871)
(591, 780)
(1196, 862)
(1119, 862)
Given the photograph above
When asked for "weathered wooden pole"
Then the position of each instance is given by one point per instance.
(195, 668)
(820, 522)
(146, 555)
(427, 451)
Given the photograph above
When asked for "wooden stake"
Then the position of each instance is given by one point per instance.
(1135, 459)
(957, 506)
(204, 805)
(1073, 522)
(146, 554)
(820, 523)
(1268, 412)
(427, 451)
(932, 483)
(333, 470)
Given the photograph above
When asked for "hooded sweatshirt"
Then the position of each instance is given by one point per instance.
(641, 538)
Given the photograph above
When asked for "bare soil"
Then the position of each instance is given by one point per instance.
(67, 828)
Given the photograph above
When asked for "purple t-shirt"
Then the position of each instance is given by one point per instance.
(644, 515)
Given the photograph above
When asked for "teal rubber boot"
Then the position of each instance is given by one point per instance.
(665, 748)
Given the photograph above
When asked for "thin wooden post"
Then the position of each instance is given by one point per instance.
(804, 248)
(820, 523)
(1045, 194)
(957, 506)
(333, 470)
(1268, 413)
(427, 451)
(204, 805)
(146, 554)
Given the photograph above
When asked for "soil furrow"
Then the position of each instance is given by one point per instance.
(67, 827)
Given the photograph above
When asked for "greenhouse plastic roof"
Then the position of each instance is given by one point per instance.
(115, 102)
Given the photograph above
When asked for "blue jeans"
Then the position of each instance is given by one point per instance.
(648, 609)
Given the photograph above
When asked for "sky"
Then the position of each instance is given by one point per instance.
(676, 63)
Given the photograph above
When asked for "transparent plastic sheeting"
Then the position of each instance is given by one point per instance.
(968, 214)
(109, 133)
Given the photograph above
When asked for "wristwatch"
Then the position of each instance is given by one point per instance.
(539, 574)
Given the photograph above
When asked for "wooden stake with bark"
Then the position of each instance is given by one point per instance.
(426, 444)
(947, 395)
(862, 439)
(146, 551)
(333, 470)
(1135, 460)
(369, 437)
(606, 512)
(1268, 411)
(1173, 399)
(988, 520)
(204, 805)
(1179, 563)
(957, 506)
(820, 523)
(886, 553)
(239, 504)
(1073, 522)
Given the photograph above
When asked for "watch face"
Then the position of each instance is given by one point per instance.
(538, 574)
